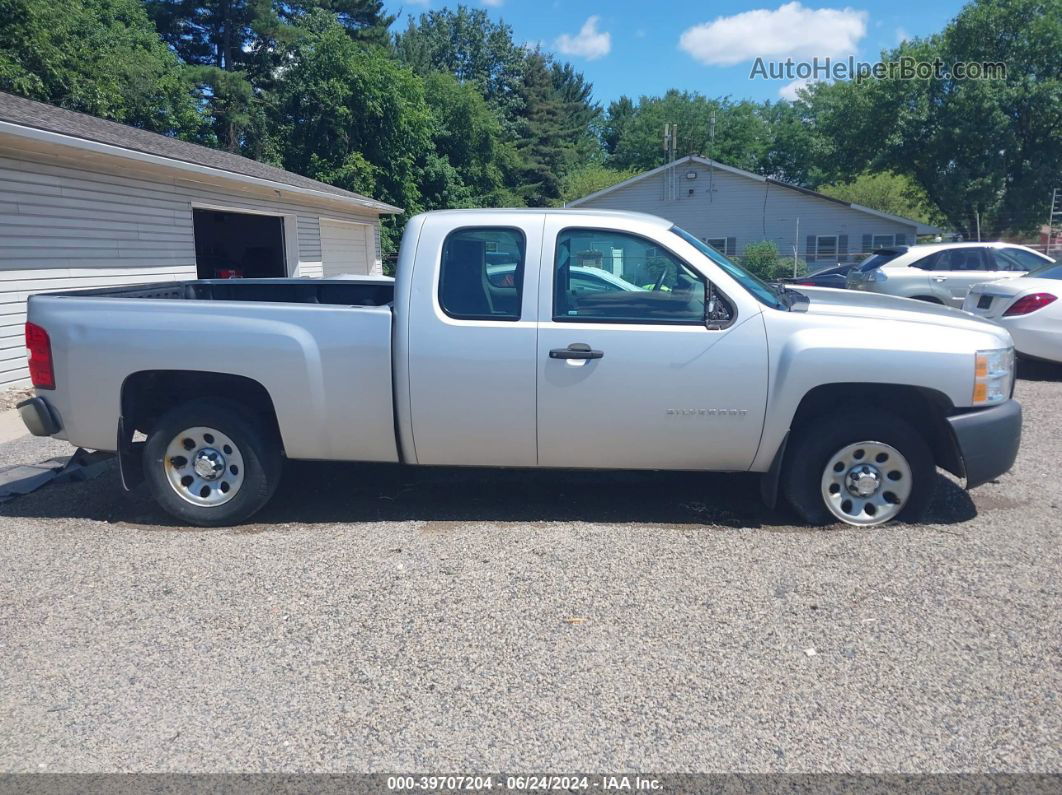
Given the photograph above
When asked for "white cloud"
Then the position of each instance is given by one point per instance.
(902, 35)
(790, 31)
(493, 3)
(588, 43)
(789, 90)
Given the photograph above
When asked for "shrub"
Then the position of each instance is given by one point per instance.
(764, 261)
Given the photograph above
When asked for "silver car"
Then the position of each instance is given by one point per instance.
(941, 273)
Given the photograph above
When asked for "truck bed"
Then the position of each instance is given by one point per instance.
(334, 292)
(321, 349)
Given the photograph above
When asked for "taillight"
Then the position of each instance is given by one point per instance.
(42, 374)
(1030, 303)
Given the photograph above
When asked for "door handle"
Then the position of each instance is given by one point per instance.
(939, 279)
(577, 350)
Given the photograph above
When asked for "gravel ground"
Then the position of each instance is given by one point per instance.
(467, 621)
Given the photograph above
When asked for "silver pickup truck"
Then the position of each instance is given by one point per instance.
(528, 338)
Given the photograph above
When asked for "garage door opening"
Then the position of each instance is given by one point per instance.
(238, 244)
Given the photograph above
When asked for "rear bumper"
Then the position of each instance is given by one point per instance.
(39, 417)
(987, 441)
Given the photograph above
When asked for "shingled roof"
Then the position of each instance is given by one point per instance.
(41, 116)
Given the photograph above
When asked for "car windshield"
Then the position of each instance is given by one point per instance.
(1053, 271)
(756, 286)
(879, 258)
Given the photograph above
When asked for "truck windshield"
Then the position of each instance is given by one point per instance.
(754, 284)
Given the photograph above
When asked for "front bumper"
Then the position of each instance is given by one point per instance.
(39, 417)
(987, 441)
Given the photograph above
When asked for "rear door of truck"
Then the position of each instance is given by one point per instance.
(471, 341)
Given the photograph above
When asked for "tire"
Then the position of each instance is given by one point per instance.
(845, 456)
(209, 464)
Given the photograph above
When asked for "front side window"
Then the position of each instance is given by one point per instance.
(482, 274)
(756, 287)
(615, 277)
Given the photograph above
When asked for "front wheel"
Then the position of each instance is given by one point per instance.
(863, 470)
(209, 465)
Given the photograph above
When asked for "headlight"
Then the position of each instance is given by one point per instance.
(993, 376)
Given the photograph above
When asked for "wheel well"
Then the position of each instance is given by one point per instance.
(925, 409)
(927, 298)
(149, 394)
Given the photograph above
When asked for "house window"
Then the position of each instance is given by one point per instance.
(724, 245)
(882, 241)
(826, 247)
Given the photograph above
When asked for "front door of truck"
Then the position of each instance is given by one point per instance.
(471, 340)
(628, 374)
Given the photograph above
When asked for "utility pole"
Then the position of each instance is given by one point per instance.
(796, 246)
(1054, 218)
(711, 157)
(977, 218)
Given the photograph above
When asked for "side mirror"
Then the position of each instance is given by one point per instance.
(717, 312)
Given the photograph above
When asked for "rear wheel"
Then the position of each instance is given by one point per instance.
(863, 470)
(210, 465)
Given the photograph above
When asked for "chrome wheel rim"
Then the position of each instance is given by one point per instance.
(866, 483)
(204, 466)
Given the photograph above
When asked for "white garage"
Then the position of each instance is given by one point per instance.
(347, 247)
(86, 202)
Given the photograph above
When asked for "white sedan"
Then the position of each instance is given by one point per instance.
(1029, 307)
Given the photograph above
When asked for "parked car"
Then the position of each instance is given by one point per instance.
(833, 276)
(943, 273)
(844, 404)
(1028, 307)
(836, 276)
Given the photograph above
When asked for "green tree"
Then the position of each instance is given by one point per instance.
(887, 192)
(469, 45)
(467, 137)
(354, 117)
(987, 153)
(741, 134)
(590, 179)
(619, 114)
(240, 46)
(101, 57)
(793, 146)
(544, 133)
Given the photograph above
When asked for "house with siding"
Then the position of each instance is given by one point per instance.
(729, 208)
(86, 202)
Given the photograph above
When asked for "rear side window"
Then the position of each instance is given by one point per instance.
(481, 276)
(1018, 259)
